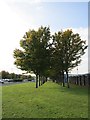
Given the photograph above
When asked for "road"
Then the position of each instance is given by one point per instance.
(12, 83)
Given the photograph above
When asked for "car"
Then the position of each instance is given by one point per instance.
(33, 80)
(9, 80)
(1, 81)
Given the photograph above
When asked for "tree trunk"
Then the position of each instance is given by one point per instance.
(63, 79)
(39, 79)
(67, 79)
(46, 79)
(43, 79)
(36, 80)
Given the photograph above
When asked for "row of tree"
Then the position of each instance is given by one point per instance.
(16, 77)
(49, 55)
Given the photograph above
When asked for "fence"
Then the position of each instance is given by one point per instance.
(81, 80)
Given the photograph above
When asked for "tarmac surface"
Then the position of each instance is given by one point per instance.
(12, 83)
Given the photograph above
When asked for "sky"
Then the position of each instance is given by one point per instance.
(18, 16)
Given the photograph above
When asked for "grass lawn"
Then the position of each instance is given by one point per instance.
(0, 103)
(48, 101)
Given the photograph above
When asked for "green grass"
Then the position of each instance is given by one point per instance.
(0, 103)
(48, 101)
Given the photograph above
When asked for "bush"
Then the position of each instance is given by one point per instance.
(18, 80)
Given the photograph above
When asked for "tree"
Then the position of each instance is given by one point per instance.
(58, 55)
(12, 75)
(46, 58)
(44, 52)
(5, 75)
(35, 54)
(26, 59)
(68, 48)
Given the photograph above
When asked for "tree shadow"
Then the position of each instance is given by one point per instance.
(78, 90)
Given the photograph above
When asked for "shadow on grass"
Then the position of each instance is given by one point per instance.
(74, 89)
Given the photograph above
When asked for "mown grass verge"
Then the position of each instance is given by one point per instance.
(48, 101)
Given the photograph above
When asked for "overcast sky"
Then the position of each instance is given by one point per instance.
(18, 16)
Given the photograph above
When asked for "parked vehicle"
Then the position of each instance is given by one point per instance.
(8, 80)
(1, 81)
(33, 80)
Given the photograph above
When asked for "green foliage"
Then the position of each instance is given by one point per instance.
(48, 101)
(67, 52)
(21, 61)
(15, 77)
(5, 75)
(68, 49)
(47, 55)
(35, 54)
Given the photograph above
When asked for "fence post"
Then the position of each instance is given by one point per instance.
(80, 81)
(88, 79)
(77, 80)
(84, 80)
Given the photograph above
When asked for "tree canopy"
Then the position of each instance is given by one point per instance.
(49, 55)
(68, 50)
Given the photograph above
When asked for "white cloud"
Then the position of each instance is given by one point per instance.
(30, 2)
(36, 1)
(12, 30)
(13, 25)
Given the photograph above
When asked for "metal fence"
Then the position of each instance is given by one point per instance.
(81, 80)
